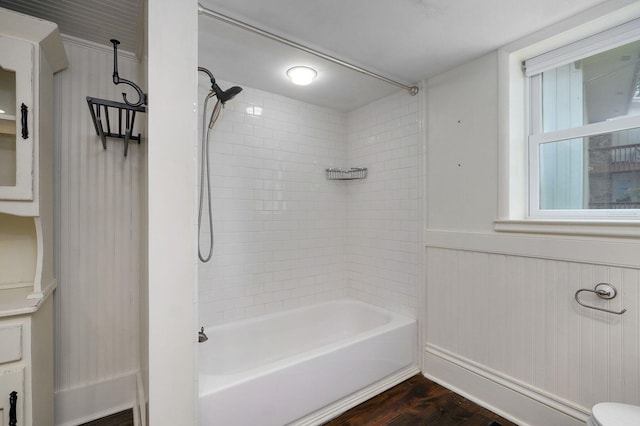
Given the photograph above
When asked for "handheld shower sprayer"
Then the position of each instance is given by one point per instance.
(222, 97)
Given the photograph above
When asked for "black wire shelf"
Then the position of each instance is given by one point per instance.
(126, 116)
(124, 111)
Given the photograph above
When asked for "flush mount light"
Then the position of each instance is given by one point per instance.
(301, 75)
(1, 111)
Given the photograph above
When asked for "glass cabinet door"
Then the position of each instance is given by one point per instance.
(7, 127)
(16, 119)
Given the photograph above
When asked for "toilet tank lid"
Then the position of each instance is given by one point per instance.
(615, 413)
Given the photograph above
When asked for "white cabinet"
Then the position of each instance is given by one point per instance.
(16, 119)
(10, 343)
(27, 364)
(31, 51)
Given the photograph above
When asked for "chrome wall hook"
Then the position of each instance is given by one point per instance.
(603, 291)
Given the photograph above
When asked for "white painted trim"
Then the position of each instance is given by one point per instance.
(593, 20)
(38, 31)
(512, 105)
(140, 413)
(619, 124)
(44, 293)
(512, 132)
(136, 415)
(502, 396)
(598, 251)
(594, 228)
(422, 185)
(331, 411)
(37, 279)
(102, 48)
(597, 43)
(172, 263)
(523, 388)
(95, 400)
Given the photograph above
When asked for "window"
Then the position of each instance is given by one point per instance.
(584, 128)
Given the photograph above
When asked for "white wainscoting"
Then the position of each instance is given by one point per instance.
(98, 249)
(78, 405)
(503, 327)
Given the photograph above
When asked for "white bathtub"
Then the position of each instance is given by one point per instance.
(303, 365)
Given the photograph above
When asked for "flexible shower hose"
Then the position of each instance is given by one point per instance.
(204, 171)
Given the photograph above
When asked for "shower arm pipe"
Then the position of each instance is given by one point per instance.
(413, 90)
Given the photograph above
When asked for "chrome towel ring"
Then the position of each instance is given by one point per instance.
(603, 291)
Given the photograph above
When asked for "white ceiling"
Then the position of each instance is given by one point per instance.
(406, 40)
(93, 20)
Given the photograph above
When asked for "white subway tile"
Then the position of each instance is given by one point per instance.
(264, 298)
(285, 235)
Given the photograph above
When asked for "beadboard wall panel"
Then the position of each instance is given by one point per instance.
(514, 318)
(97, 228)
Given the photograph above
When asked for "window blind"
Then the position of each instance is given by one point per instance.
(606, 40)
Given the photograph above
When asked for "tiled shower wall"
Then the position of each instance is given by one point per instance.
(280, 226)
(383, 242)
(285, 236)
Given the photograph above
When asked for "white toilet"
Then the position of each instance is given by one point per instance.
(614, 414)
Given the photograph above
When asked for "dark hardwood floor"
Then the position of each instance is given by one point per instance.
(123, 418)
(416, 402)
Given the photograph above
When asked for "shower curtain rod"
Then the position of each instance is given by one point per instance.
(413, 90)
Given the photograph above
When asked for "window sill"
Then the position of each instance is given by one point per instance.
(598, 228)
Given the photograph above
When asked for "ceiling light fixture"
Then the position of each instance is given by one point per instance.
(301, 75)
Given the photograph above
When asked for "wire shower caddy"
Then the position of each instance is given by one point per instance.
(334, 173)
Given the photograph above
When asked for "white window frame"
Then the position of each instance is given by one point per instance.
(604, 41)
(513, 181)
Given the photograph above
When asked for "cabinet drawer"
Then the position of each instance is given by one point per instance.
(10, 343)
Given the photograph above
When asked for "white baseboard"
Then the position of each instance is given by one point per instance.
(95, 400)
(505, 396)
(329, 412)
(140, 411)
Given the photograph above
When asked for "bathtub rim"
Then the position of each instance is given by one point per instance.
(209, 383)
(262, 317)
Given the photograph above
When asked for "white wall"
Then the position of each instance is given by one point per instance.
(462, 145)
(285, 236)
(502, 326)
(171, 170)
(98, 251)
(293, 232)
